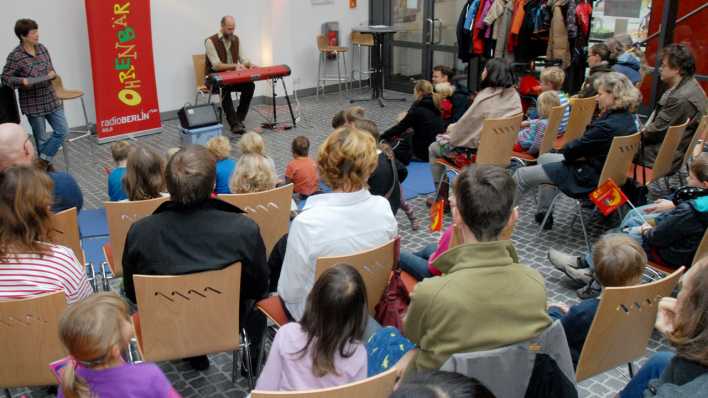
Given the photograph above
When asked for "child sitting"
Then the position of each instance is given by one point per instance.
(443, 93)
(220, 147)
(302, 170)
(619, 261)
(95, 331)
(532, 132)
(119, 151)
(252, 142)
(254, 173)
(325, 348)
(145, 174)
(552, 80)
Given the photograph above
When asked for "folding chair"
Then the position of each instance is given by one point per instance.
(65, 232)
(120, 217)
(199, 64)
(269, 209)
(618, 161)
(29, 341)
(581, 113)
(555, 118)
(663, 164)
(379, 386)
(187, 315)
(622, 326)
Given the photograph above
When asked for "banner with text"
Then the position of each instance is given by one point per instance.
(120, 41)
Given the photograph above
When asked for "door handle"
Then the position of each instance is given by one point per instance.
(431, 22)
(439, 22)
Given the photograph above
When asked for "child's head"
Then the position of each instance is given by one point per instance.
(254, 173)
(95, 331)
(145, 174)
(251, 142)
(546, 101)
(440, 384)
(301, 146)
(422, 88)
(690, 334)
(335, 316)
(220, 147)
(698, 172)
(444, 90)
(619, 260)
(120, 151)
(598, 53)
(368, 126)
(347, 116)
(552, 78)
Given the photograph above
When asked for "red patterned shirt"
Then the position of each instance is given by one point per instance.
(39, 98)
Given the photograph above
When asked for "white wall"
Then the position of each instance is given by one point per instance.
(271, 32)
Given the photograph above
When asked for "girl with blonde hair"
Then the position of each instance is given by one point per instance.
(252, 142)
(96, 332)
(532, 132)
(220, 147)
(253, 174)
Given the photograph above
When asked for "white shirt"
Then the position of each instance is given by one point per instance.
(331, 224)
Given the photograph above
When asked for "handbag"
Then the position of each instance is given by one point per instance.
(394, 302)
(195, 116)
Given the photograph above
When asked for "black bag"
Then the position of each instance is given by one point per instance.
(635, 192)
(8, 106)
(195, 116)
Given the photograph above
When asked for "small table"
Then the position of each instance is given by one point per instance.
(379, 32)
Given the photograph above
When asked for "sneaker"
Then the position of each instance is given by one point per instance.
(561, 260)
(200, 362)
(581, 276)
(591, 290)
(539, 219)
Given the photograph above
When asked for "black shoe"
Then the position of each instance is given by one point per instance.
(591, 290)
(200, 362)
(238, 127)
(539, 219)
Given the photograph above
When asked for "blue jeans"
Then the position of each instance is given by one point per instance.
(47, 146)
(651, 370)
(416, 263)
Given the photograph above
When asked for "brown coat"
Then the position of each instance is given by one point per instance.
(221, 50)
(490, 103)
(558, 45)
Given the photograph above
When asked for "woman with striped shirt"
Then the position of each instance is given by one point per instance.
(29, 265)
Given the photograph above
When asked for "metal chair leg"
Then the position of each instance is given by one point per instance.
(339, 75)
(582, 224)
(7, 393)
(551, 207)
(104, 277)
(347, 85)
(319, 75)
(91, 274)
(249, 365)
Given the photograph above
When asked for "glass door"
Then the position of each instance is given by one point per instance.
(426, 37)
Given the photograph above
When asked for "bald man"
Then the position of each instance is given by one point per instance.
(223, 54)
(16, 149)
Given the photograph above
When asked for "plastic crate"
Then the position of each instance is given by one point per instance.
(201, 135)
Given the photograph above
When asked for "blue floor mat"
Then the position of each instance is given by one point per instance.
(92, 223)
(93, 250)
(419, 180)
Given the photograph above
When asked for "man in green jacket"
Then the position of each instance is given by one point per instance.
(485, 299)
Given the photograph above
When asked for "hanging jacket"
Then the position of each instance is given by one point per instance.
(570, 22)
(500, 15)
(464, 40)
(558, 45)
(517, 20)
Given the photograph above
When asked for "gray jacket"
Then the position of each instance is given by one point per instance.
(682, 378)
(686, 101)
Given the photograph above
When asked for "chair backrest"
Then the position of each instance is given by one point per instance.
(362, 39)
(322, 43)
(379, 386)
(29, 340)
(187, 315)
(507, 371)
(497, 140)
(663, 164)
(581, 112)
(269, 209)
(702, 250)
(619, 158)
(374, 265)
(700, 133)
(622, 325)
(199, 63)
(66, 232)
(555, 117)
(120, 216)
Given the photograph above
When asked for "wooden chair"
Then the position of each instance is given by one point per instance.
(359, 41)
(497, 139)
(581, 113)
(699, 134)
(65, 232)
(379, 386)
(657, 271)
(29, 340)
(555, 117)
(339, 53)
(619, 160)
(622, 325)
(199, 64)
(269, 209)
(663, 164)
(120, 217)
(187, 315)
(64, 94)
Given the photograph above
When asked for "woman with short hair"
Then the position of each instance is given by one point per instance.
(345, 221)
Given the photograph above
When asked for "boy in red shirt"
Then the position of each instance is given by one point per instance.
(302, 171)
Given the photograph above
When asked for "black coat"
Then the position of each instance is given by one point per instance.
(425, 120)
(382, 180)
(678, 233)
(176, 240)
(579, 173)
(460, 102)
(464, 37)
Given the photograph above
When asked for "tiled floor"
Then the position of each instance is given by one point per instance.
(89, 160)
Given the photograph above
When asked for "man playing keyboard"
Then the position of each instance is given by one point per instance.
(222, 54)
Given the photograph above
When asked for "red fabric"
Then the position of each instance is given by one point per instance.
(394, 303)
(478, 34)
(518, 148)
(446, 109)
(582, 15)
(529, 85)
